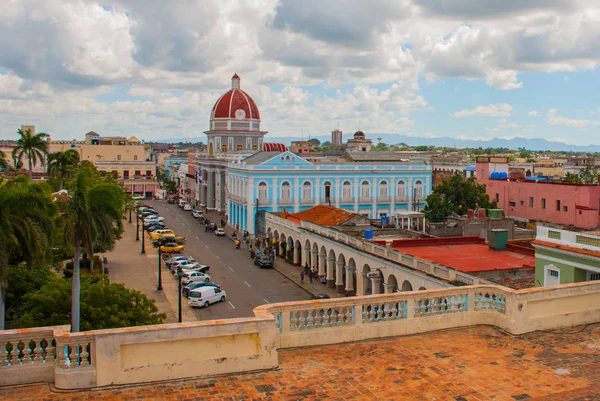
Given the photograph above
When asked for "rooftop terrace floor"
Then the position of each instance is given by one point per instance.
(478, 363)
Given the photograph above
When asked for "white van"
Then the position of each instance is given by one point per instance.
(181, 203)
(204, 296)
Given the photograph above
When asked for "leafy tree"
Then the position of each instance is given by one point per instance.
(26, 223)
(103, 305)
(326, 143)
(589, 175)
(35, 147)
(61, 164)
(22, 281)
(4, 164)
(456, 195)
(571, 178)
(381, 147)
(421, 148)
(315, 141)
(92, 213)
(170, 186)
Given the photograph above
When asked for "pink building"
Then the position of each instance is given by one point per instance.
(567, 204)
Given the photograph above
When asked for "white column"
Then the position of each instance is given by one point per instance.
(322, 262)
(339, 275)
(392, 190)
(317, 191)
(330, 267)
(296, 194)
(350, 279)
(356, 194)
(313, 259)
(374, 194)
(251, 208)
(275, 194)
(375, 282)
(409, 189)
(336, 192)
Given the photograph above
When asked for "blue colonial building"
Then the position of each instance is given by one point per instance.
(273, 181)
(242, 177)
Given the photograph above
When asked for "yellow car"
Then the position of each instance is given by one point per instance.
(171, 247)
(159, 233)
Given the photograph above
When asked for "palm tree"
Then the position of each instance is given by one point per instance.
(60, 164)
(92, 213)
(26, 223)
(4, 165)
(35, 147)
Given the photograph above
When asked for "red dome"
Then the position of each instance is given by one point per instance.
(274, 147)
(232, 101)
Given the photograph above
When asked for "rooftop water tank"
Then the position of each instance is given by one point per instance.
(369, 234)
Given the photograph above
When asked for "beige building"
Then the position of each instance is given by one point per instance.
(359, 143)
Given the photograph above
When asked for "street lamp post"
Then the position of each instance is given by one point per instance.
(143, 243)
(137, 226)
(256, 220)
(179, 318)
(159, 286)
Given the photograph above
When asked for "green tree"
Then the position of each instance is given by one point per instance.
(26, 223)
(380, 147)
(421, 148)
(571, 178)
(4, 164)
(315, 141)
(170, 186)
(61, 164)
(92, 214)
(103, 305)
(456, 195)
(22, 281)
(35, 147)
(589, 175)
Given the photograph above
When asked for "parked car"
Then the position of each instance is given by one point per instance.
(159, 233)
(185, 291)
(220, 232)
(153, 217)
(320, 296)
(204, 296)
(180, 263)
(263, 261)
(192, 277)
(175, 259)
(163, 240)
(187, 207)
(138, 197)
(154, 227)
(194, 267)
(181, 202)
(172, 201)
(197, 214)
(142, 209)
(172, 247)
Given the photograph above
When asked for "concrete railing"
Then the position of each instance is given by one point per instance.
(174, 351)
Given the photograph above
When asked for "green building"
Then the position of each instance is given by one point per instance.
(564, 257)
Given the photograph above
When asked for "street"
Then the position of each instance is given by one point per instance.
(247, 286)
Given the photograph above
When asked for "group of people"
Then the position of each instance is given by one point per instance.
(308, 272)
(262, 248)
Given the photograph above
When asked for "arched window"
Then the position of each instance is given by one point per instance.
(263, 191)
(401, 190)
(327, 194)
(347, 190)
(365, 189)
(418, 190)
(286, 191)
(306, 191)
(383, 189)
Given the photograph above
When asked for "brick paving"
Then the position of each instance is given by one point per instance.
(461, 365)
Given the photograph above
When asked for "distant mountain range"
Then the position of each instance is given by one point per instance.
(527, 143)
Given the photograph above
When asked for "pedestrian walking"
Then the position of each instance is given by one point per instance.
(302, 276)
(237, 227)
(274, 253)
(306, 269)
(310, 275)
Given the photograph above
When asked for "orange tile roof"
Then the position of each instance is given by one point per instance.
(322, 215)
(567, 248)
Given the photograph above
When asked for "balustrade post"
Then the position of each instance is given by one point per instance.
(350, 271)
(339, 276)
(375, 283)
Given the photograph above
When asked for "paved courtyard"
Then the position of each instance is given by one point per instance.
(462, 365)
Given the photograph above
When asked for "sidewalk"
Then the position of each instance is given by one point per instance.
(137, 271)
(291, 272)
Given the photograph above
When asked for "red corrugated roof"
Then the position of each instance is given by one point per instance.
(322, 215)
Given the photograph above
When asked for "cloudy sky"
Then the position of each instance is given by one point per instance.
(474, 69)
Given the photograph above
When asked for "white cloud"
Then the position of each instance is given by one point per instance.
(430, 135)
(554, 119)
(491, 110)
(533, 114)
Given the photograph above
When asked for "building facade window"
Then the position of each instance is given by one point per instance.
(364, 189)
(418, 190)
(347, 190)
(230, 143)
(558, 205)
(263, 191)
(126, 174)
(531, 201)
(543, 203)
(118, 157)
(306, 191)
(248, 143)
(327, 191)
(497, 197)
(286, 191)
(383, 189)
(401, 190)
(134, 157)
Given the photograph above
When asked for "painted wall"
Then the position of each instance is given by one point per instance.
(563, 262)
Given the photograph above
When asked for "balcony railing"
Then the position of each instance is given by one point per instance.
(347, 200)
(365, 199)
(307, 201)
(327, 199)
(383, 198)
(286, 201)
